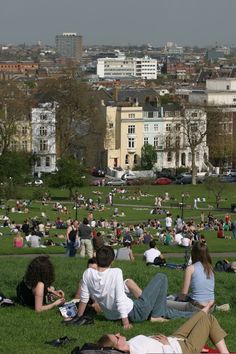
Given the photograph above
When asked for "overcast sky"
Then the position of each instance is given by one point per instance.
(120, 22)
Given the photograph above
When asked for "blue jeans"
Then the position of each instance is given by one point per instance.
(153, 301)
(71, 250)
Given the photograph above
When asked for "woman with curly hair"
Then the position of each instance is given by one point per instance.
(35, 290)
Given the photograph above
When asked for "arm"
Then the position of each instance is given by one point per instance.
(68, 232)
(131, 256)
(187, 279)
(119, 299)
(38, 292)
(82, 307)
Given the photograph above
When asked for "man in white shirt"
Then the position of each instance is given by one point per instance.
(106, 286)
(152, 253)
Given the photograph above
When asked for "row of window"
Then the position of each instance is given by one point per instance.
(41, 161)
(42, 130)
(131, 128)
(170, 157)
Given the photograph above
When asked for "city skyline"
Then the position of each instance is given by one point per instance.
(131, 22)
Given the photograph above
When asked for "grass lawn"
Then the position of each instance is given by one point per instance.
(24, 331)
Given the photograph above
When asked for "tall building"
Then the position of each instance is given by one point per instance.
(69, 46)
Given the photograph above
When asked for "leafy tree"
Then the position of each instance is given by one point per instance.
(69, 175)
(14, 166)
(148, 156)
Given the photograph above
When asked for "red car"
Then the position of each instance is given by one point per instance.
(163, 181)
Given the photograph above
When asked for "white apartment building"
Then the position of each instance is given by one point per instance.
(219, 92)
(121, 67)
(43, 121)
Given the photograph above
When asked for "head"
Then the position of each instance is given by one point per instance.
(152, 244)
(85, 221)
(116, 341)
(127, 243)
(92, 263)
(40, 269)
(201, 254)
(105, 256)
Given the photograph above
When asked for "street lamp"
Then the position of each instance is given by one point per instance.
(182, 206)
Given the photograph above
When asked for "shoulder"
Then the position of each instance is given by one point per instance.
(189, 269)
(39, 289)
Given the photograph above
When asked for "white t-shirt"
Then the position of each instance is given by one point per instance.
(178, 238)
(168, 221)
(34, 241)
(185, 242)
(151, 254)
(107, 289)
(148, 345)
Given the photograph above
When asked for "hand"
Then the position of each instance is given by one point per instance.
(127, 326)
(59, 302)
(162, 339)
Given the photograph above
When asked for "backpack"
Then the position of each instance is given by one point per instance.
(159, 261)
(90, 348)
(223, 266)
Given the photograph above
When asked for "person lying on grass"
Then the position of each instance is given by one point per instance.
(105, 285)
(189, 338)
(35, 290)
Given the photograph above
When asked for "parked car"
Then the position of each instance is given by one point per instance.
(116, 182)
(163, 181)
(38, 182)
(128, 176)
(230, 172)
(228, 179)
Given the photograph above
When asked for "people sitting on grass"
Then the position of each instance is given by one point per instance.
(125, 253)
(18, 241)
(35, 290)
(105, 286)
(152, 253)
(191, 337)
(199, 276)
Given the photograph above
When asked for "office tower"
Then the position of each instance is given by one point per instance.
(69, 46)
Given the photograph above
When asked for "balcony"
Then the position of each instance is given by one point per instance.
(131, 150)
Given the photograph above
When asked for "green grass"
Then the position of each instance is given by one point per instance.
(24, 331)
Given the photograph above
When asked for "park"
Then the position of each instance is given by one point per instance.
(24, 331)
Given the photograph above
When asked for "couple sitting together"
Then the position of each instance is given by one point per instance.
(105, 286)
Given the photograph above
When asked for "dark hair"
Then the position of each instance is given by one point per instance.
(40, 269)
(201, 254)
(91, 261)
(85, 221)
(127, 243)
(105, 256)
(105, 341)
(152, 244)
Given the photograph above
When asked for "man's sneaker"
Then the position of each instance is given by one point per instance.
(224, 307)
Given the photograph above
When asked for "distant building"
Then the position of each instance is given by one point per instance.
(43, 122)
(69, 46)
(121, 67)
(18, 67)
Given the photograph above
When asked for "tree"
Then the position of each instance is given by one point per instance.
(14, 107)
(69, 175)
(216, 187)
(14, 166)
(80, 127)
(148, 156)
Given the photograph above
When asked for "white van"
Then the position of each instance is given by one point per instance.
(230, 172)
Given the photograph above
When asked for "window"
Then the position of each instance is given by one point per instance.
(227, 87)
(42, 131)
(189, 157)
(131, 129)
(24, 145)
(14, 145)
(169, 156)
(155, 142)
(155, 127)
(168, 127)
(145, 141)
(194, 114)
(24, 130)
(150, 114)
(168, 141)
(127, 159)
(38, 162)
(146, 127)
(47, 162)
(43, 145)
(135, 159)
(193, 127)
(177, 127)
(131, 115)
(131, 143)
(177, 141)
(111, 125)
(43, 116)
(197, 156)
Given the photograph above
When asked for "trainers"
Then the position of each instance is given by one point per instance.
(224, 307)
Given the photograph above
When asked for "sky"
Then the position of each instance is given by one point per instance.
(120, 22)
